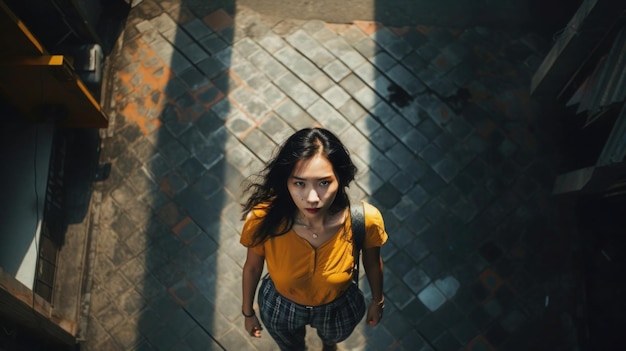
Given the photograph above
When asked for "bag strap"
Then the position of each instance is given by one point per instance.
(357, 218)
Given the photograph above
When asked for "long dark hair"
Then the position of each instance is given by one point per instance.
(271, 185)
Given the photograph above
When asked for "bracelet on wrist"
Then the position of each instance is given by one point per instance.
(248, 315)
(380, 303)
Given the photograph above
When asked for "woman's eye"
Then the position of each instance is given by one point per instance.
(299, 184)
(324, 183)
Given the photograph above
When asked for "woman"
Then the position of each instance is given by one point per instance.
(297, 218)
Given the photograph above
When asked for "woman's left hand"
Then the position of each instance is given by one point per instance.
(375, 312)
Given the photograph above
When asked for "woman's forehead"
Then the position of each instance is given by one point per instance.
(316, 167)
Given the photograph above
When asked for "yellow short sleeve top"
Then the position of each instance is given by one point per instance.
(307, 275)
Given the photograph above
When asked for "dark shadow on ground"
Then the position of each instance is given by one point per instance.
(481, 256)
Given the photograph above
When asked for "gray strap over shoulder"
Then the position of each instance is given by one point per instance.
(357, 216)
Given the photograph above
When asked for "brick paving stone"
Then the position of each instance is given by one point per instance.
(336, 45)
(144, 26)
(415, 141)
(208, 122)
(384, 112)
(432, 298)
(397, 325)
(444, 87)
(310, 48)
(367, 98)
(252, 105)
(400, 296)
(398, 125)
(405, 79)
(247, 47)
(271, 95)
(294, 115)
(276, 128)
(320, 82)
(259, 144)
(336, 70)
(385, 169)
(352, 84)
(414, 62)
(416, 279)
(313, 26)
(297, 63)
(268, 65)
(352, 59)
(432, 182)
(176, 37)
(398, 153)
(247, 73)
(296, 90)
(394, 45)
(427, 51)
(222, 110)
(336, 96)
(405, 207)
(447, 169)
(328, 116)
(218, 20)
(226, 56)
(197, 29)
(183, 102)
(193, 78)
(271, 42)
(352, 111)
(174, 88)
(238, 124)
(323, 34)
(213, 44)
(383, 61)
(368, 48)
(164, 23)
(163, 48)
(208, 96)
(240, 157)
(355, 141)
(367, 123)
(383, 139)
(178, 63)
(368, 74)
(353, 34)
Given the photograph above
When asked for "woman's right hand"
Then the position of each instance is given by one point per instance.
(253, 326)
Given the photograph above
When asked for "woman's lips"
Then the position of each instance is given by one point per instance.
(312, 210)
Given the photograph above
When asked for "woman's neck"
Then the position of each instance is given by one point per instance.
(327, 220)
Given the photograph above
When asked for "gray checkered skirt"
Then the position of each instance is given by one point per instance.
(286, 320)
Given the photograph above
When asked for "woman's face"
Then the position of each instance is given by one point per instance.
(313, 186)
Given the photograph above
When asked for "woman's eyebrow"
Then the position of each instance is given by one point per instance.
(300, 178)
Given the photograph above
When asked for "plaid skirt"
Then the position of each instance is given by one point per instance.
(286, 320)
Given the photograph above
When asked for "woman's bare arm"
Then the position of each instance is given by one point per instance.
(252, 270)
(373, 264)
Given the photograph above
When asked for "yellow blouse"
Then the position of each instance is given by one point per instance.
(307, 275)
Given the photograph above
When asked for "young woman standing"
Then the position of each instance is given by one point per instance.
(297, 219)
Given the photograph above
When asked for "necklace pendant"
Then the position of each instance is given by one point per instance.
(314, 236)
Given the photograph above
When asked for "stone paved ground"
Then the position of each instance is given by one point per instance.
(448, 143)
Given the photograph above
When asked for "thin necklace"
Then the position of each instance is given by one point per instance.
(309, 229)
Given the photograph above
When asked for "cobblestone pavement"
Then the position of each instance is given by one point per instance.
(448, 143)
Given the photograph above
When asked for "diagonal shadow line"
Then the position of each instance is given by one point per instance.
(177, 167)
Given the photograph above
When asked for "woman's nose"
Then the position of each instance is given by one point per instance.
(313, 197)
